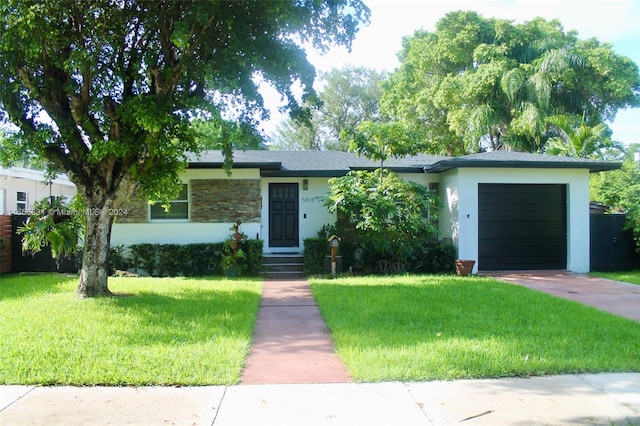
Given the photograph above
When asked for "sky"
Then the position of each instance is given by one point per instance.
(376, 45)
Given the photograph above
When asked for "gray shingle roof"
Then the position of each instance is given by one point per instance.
(336, 163)
(308, 163)
(511, 159)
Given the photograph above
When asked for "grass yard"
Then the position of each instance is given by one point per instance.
(632, 277)
(414, 328)
(166, 331)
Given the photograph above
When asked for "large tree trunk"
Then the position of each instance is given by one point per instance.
(101, 200)
(95, 259)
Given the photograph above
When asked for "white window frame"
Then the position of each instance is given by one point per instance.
(22, 205)
(180, 200)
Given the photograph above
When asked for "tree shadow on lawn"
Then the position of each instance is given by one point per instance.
(192, 316)
(454, 328)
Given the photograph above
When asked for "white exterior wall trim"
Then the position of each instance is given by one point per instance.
(460, 207)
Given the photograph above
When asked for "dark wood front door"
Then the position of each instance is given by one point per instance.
(283, 215)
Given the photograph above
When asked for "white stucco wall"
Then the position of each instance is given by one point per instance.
(31, 181)
(312, 212)
(459, 217)
(185, 232)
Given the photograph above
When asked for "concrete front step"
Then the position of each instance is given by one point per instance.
(283, 266)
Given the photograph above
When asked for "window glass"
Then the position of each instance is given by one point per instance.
(179, 209)
(21, 198)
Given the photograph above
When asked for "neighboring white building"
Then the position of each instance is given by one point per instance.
(504, 210)
(20, 188)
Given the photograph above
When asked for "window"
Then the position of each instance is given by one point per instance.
(21, 201)
(179, 208)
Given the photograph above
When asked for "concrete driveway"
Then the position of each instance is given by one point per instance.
(612, 296)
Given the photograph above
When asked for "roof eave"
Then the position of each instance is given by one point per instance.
(394, 169)
(235, 165)
(593, 167)
(302, 173)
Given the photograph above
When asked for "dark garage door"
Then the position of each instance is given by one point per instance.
(522, 226)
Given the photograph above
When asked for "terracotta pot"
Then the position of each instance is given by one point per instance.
(233, 244)
(465, 267)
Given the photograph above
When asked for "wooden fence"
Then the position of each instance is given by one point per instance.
(5, 233)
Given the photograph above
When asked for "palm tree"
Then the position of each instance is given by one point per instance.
(529, 92)
(578, 141)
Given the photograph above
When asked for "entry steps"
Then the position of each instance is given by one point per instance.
(282, 266)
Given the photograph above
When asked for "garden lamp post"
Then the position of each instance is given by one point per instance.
(334, 243)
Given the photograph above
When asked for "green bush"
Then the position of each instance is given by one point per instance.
(435, 257)
(118, 259)
(145, 256)
(168, 260)
(430, 256)
(202, 259)
(253, 252)
(315, 249)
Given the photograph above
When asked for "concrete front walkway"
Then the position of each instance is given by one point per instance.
(612, 296)
(291, 343)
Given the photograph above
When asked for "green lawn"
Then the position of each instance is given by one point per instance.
(414, 328)
(632, 277)
(167, 331)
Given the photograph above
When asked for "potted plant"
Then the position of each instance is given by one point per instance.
(464, 267)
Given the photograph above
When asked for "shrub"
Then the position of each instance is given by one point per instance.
(145, 257)
(169, 260)
(202, 259)
(315, 249)
(435, 257)
(118, 259)
(253, 252)
(431, 256)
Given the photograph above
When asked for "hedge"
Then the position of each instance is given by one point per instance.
(189, 260)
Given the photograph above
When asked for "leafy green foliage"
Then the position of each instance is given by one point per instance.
(620, 189)
(55, 224)
(349, 96)
(579, 140)
(191, 260)
(315, 250)
(477, 83)
(433, 256)
(106, 91)
(388, 212)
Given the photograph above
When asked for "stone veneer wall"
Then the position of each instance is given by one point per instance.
(212, 201)
(137, 211)
(225, 201)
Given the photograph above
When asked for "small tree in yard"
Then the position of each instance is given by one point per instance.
(391, 214)
(105, 90)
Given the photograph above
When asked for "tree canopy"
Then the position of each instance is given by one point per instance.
(106, 90)
(477, 83)
(349, 96)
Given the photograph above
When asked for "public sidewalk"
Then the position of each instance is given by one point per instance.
(591, 399)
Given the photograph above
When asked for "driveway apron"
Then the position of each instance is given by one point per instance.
(618, 298)
(291, 342)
